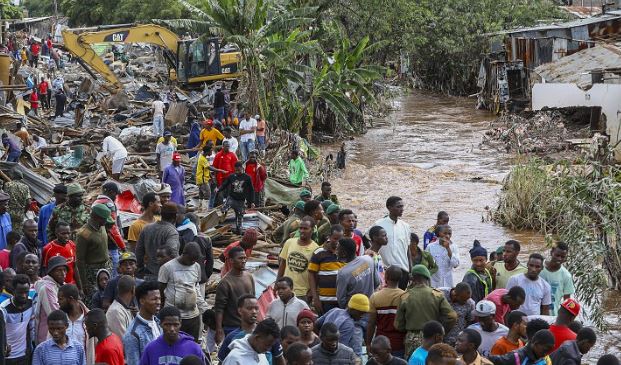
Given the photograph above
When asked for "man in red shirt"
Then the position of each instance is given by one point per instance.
(43, 96)
(109, 349)
(224, 160)
(35, 48)
(346, 219)
(258, 175)
(63, 246)
(568, 311)
(249, 239)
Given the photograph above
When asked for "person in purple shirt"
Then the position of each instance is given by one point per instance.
(173, 345)
(174, 175)
(13, 148)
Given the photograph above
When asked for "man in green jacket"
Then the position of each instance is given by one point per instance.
(298, 173)
(422, 304)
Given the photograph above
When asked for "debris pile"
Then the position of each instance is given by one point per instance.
(541, 133)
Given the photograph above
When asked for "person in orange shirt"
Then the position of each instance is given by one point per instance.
(209, 133)
(516, 321)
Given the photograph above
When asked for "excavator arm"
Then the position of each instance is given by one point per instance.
(79, 45)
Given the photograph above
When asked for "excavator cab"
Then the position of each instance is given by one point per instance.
(200, 60)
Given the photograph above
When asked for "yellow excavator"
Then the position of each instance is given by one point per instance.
(190, 62)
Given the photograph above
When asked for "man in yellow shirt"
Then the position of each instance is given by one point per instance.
(209, 133)
(203, 175)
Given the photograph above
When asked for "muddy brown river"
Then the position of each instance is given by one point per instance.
(427, 152)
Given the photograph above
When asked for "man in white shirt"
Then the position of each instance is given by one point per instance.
(38, 142)
(114, 148)
(538, 291)
(247, 129)
(158, 116)
(398, 233)
(164, 151)
(233, 144)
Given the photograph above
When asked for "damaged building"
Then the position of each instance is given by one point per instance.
(505, 74)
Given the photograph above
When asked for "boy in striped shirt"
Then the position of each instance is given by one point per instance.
(322, 270)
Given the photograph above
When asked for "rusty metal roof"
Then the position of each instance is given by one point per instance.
(576, 68)
(615, 14)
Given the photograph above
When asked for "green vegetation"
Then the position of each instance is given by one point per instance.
(577, 204)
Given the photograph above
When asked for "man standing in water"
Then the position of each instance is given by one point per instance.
(398, 233)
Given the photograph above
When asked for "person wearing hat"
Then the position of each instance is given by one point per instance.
(6, 225)
(258, 174)
(567, 313)
(172, 139)
(332, 215)
(174, 175)
(247, 135)
(45, 213)
(47, 294)
(490, 330)
(282, 232)
(110, 190)
(421, 305)
(209, 133)
(306, 195)
(113, 148)
(92, 249)
(478, 276)
(164, 151)
(72, 211)
(306, 324)
(159, 234)
(20, 199)
(345, 319)
(164, 191)
(127, 267)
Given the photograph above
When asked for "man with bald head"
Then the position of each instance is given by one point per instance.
(179, 285)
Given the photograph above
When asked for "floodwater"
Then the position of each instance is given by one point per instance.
(428, 152)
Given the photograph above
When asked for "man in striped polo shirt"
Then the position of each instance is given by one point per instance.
(322, 270)
(384, 304)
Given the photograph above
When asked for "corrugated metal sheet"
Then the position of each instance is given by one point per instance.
(576, 68)
(41, 189)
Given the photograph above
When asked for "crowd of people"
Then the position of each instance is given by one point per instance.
(77, 288)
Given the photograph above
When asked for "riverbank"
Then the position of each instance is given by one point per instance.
(428, 152)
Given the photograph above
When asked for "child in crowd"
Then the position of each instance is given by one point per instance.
(420, 257)
(11, 239)
(103, 276)
(446, 255)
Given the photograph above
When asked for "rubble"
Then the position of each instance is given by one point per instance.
(540, 132)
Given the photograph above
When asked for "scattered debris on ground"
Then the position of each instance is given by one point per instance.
(542, 132)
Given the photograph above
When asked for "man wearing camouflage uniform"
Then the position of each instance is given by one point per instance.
(73, 211)
(20, 198)
(281, 234)
(421, 304)
(92, 249)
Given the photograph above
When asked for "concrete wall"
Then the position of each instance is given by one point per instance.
(606, 96)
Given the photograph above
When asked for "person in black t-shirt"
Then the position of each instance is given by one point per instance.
(240, 193)
(380, 353)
